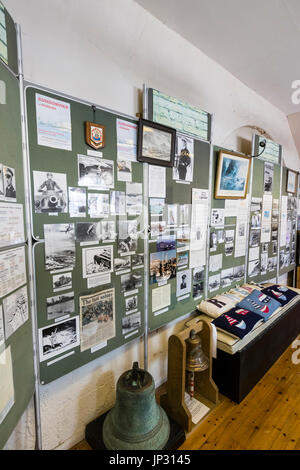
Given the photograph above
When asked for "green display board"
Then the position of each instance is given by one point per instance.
(222, 242)
(190, 123)
(16, 309)
(266, 176)
(288, 243)
(60, 315)
(8, 40)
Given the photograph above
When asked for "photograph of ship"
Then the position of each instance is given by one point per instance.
(131, 323)
(227, 277)
(131, 282)
(62, 282)
(59, 246)
(198, 282)
(162, 266)
(58, 338)
(131, 304)
(60, 305)
(134, 198)
(97, 260)
(238, 273)
(166, 243)
(137, 260)
(95, 172)
(122, 263)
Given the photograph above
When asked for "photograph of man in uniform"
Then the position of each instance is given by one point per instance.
(9, 182)
(183, 170)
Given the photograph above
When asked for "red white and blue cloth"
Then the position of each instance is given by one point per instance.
(260, 303)
(237, 322)
(280, 293)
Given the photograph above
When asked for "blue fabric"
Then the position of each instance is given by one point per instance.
(260, 303)
(280, 293)
(238, 322)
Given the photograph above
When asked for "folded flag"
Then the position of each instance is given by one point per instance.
(238, 322)
(260, 303)
(280, 293)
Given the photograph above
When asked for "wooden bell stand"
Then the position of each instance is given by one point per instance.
(206, 390)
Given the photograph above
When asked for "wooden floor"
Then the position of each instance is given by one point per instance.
(267, 419)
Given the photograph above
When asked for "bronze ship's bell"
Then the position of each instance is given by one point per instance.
(136, 422)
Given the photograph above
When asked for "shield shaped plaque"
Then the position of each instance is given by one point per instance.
(95, 135)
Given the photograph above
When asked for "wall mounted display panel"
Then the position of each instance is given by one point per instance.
(228, 232)
(16, 348)
(89, 263)
(288, 225)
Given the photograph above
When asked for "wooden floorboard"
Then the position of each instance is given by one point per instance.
(267, 419)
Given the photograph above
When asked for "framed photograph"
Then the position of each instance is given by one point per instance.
(232, 176)
(156, 143)
(291, 182)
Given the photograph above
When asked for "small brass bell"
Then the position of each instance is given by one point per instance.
(196, 360)
(136, 422)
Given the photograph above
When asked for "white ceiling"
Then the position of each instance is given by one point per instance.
(258, 41)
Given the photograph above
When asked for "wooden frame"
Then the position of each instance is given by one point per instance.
(231, 193)
(290, 173)
(91, 138)
(152, 151)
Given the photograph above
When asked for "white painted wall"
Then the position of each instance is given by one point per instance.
(103, 51)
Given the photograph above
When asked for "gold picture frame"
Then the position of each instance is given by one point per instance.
(232, 175)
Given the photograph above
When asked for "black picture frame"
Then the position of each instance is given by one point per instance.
(170, 134)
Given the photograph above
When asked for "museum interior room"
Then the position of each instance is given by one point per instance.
(150, 192)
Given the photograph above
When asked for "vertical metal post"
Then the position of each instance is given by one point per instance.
(38, 442)
(211, 155)
(146, 236)
(279, 223)
(249, 210)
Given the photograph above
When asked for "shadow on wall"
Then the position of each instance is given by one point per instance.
(240, 140)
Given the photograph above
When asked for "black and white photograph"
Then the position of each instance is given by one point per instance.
(255, 220)
(156, 143)
(172, 214)
(134, 198)
(254, 268)
(131, 282)
(50, 192)
(60, 305)
(214, 282)
(264, 247)
(264, 263)
(97, 260)
(274, 247)
(77, 202)
(272, 263)
(117, 203)
(122, 264)
(131, 304)
(108, 231)
(137, 261)
(268, 177)
(227, 277)
(217, 217)
(59, 338)
(238, 273)
(274, 234)
(229, 248)
(1, 183)
(198, 282)
(87, 232)
(183, 283)
(281, 259)
(131, 323)
(162, 266)
(59, 246)
(213, 241)
(182, 259)
(15, 309)
(254, 239)
(9, 183)
(127, 242)
(95, 172)
(124, 170)
(62, 282)
(229, 236)
(98, 205)
(184, 159)
(97, 318)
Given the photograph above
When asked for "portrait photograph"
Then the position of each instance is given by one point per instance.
(184, 159)
(291, 184)
(232, 176)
